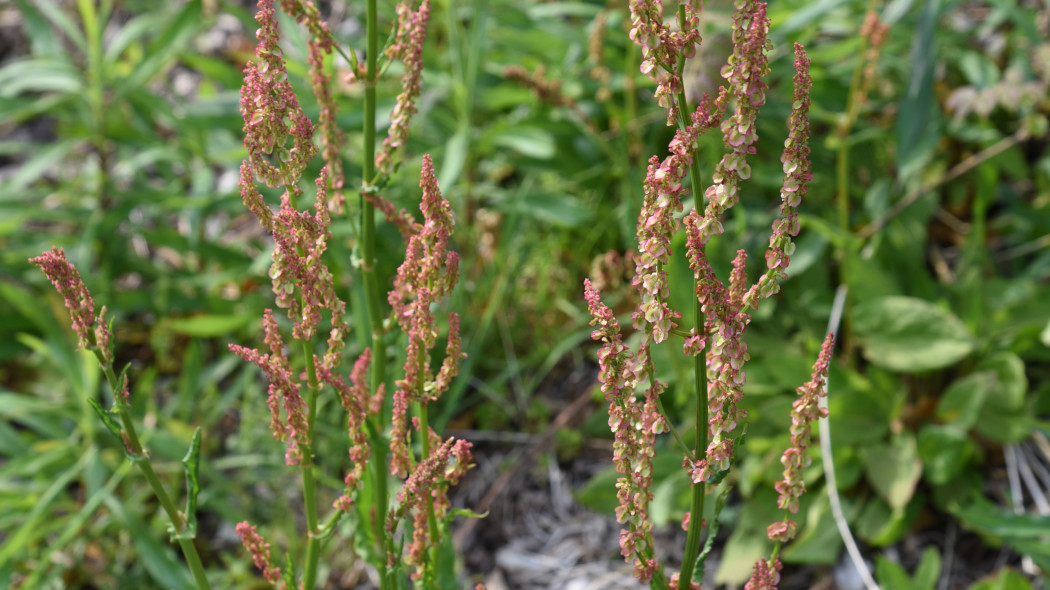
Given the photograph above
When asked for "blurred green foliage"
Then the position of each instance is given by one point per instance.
(122, 140)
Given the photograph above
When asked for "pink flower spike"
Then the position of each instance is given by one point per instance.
(91, 332)
(407, 47)
(260, 551)
(804, 412)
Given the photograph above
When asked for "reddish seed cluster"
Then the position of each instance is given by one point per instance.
(357, 402)
(428, 274)
(795, 160)
(425, 490)
(271, 111)
(260, 551)
(765, 575)
(634, 427)
(744, 74)
(657, 223)
(92, 331)
(662, 47)
(804, 411)
(407, 47)
(283, 391)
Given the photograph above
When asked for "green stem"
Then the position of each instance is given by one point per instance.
(699, 490)
(306, 466)
(371, 285)
(178, 521)
(432, 525)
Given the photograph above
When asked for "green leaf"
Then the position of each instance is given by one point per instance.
(533, 142)
(107, 419)
(171, 40)
(210, 326)
(961, 403)
(881, 525)
(1010, 385)
(43, 161)
(1006, 579)
(39, 75)
(894, 469)
(892, 575)
(58, 17)
(945, 450)
(910, 335)
(159, 560)
(918, 117)
(191, 464)
(562, 210)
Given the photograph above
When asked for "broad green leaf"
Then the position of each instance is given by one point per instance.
(928, 570)
(910, 335)
(945, 450)
(893, 469)
(891, 574)
(1011, 384)
(527, 141)
(961, 403)
(881, 526)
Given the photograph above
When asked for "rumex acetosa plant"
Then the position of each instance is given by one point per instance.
(721, 312)
(385, 438)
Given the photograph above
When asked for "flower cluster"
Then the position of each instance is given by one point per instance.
(663, 49)
(727, 309)
(359, 406)
(260, 550)
(765, 575)
(284, 391)
(428, 274)
(271, 111)
(795, 160)
(92, 332)
(424, 496)
(744, 73)
(634, 427)
(407, 47)
(804, 411)
(657, 223)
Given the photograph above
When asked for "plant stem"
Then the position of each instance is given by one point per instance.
(696, 510)
(306, 466)
(178, 521)
(371, 284)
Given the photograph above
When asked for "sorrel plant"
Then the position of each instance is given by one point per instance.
(386, 436)
(721, 312)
